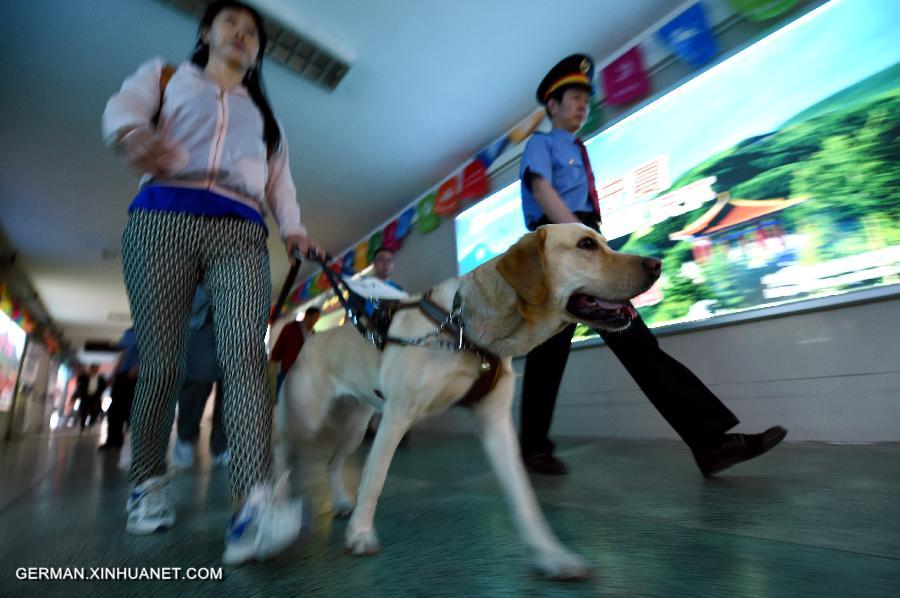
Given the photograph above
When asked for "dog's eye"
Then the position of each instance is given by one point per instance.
(587, 243)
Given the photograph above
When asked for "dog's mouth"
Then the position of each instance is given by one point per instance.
(595, 311)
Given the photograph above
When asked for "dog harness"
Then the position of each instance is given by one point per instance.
(374, 329)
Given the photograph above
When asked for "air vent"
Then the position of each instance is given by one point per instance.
(296, 52)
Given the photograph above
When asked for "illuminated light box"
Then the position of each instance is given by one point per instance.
(770, 179)
(12, 345)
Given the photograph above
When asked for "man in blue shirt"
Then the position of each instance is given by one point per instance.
(558, 186)
(201, 372)
(122, 393)
(383, 267)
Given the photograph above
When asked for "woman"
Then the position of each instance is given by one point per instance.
(211, 154)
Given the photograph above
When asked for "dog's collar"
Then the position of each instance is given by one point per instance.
(453, 322)
(489, 367)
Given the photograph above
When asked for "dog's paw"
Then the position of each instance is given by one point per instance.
(362, 542)
(562, 565)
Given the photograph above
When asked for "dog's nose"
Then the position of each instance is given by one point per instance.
(653, 266)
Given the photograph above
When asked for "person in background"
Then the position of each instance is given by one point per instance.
(290, 341)
(213, 159)
(122, 393)
(558, 186)
(201, 375)
(89, 390)
(382, 268)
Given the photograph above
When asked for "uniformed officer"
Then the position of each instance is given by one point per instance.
(558, 186)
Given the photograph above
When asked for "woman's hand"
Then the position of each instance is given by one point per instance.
(147, 151)
(303, 245)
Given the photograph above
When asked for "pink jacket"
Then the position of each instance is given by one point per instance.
(218, 134)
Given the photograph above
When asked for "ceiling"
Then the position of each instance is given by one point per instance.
(430, 83)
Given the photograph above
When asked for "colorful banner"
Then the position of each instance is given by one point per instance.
(446, 202)
(321, 283)
(625, 80)
(426, 220)
(361, 256)
(474, 181)
(524, 129)
(389, 239)
(404, 223)
(307, 289)
(760, 10)
(374, 245)
(688, 35)
(491, 152)
(348, 260)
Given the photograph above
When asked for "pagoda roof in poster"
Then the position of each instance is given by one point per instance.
(728, 213)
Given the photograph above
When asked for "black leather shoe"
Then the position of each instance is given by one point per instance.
(545, 463)
(736, 448)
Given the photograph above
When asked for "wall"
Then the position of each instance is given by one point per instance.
(830, 375)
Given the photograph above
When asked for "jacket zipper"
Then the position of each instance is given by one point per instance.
(215, 157)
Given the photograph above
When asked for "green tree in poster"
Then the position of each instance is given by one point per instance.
(722, 280)
(767, 185)
(679, 292)
(855, 174)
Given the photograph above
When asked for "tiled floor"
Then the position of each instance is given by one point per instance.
(805, 520)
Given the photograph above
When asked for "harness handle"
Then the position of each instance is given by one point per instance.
(339, 287)
(289, 281)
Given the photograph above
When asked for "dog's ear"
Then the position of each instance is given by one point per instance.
(522, 266)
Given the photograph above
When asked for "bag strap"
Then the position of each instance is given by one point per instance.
(164, 75)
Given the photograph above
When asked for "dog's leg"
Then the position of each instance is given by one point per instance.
(498, 436)
(349, 438)
(361, 537)
(304, 402)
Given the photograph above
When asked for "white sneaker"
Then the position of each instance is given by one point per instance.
(183, 455)
(150, 507)
(266, 524)
(223, 458)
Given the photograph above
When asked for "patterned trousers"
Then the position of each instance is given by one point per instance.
(164, 256)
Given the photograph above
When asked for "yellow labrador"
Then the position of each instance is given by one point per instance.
(557, 275)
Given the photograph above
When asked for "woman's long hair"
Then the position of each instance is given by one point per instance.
(253, 78)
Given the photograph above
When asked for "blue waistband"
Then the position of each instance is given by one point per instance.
(192, 201)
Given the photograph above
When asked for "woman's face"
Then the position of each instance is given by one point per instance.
(233, 38)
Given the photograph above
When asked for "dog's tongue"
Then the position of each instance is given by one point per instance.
(588, 302)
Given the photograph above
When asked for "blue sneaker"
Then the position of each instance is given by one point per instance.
(222, 459)
(150, 507)
(266, 524)
(183, 454)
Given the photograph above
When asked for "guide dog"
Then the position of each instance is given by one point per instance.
(557, 275)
